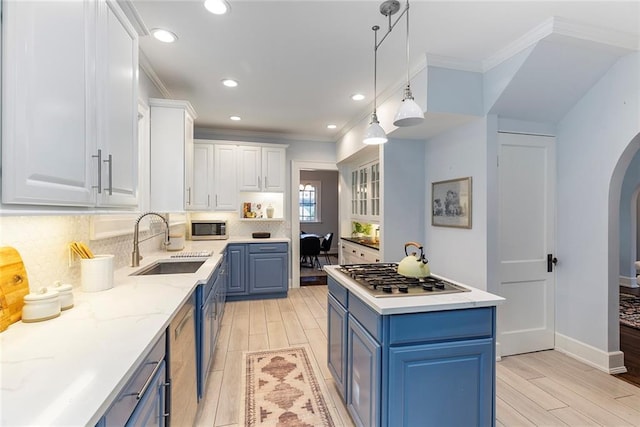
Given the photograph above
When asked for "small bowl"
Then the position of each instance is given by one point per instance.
(42, 305)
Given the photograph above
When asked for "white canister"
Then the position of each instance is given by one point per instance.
(176, 242)
(41, 305)
(96, 274)
(65, 292)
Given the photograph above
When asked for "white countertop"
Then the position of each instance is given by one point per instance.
(67, 371)
(419, 303)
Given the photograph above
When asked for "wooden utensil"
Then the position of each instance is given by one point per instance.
(14, 285)
(81, 250)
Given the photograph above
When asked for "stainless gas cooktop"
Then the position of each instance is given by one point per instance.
(383, 280)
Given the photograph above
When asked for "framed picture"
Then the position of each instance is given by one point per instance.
(451, 203)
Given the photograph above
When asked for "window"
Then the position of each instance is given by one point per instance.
(310, 201)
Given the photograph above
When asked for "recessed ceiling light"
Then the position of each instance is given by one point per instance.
(357, 97)
(164, 36)
(217, 7)
(331, 126)
(235, 118)
(229, 82)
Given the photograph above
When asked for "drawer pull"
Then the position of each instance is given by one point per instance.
(149, 381)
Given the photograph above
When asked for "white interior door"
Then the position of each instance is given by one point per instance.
(527, 226)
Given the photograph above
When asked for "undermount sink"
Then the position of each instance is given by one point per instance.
(169, 267)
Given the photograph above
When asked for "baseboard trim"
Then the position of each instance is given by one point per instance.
(629, 282)
(610, 362)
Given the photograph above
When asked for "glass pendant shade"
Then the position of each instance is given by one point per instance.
(375, 135)
(409, 113)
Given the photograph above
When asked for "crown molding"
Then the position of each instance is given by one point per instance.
(557, 26)
(203, 132)
(454, 63)
(134, 17)
(145, 66)
(518, 45)
(607, 36)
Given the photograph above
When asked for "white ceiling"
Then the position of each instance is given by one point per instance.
(298, 62)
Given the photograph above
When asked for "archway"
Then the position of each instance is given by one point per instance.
(614, 230)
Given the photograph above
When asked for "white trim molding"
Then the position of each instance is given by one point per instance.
(629, 282)
(611, 362)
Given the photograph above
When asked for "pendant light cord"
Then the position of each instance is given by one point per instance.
(375, 29)
(408, 78)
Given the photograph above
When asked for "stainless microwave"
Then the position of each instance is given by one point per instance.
(202, 229)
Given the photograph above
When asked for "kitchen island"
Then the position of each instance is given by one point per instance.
(412, 360)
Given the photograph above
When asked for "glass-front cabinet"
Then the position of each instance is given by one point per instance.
(365, 191)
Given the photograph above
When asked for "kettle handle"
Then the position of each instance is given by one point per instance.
(417, 245)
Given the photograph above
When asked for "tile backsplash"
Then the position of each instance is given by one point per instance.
(43, 242)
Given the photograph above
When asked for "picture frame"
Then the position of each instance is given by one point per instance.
(451, 203)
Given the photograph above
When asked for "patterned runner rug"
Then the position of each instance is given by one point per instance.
(630, 310)
(281, 388)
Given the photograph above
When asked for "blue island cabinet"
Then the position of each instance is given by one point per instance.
(257, 270)
(417, 369)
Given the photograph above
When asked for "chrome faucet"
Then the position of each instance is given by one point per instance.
(135, 255)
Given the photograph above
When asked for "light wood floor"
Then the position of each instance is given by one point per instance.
(537, 389)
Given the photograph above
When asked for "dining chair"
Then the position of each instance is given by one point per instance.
(310, 249)
(325, 246)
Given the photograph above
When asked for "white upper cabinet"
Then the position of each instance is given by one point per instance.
(365, 191)
(117, 68)
(225, 180)
(171, 160)
(261, 168)
(69, 104)
(273, 168)
(249, 168)
(202, 176)
(215, 185)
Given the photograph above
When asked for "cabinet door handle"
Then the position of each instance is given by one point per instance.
(208, 200)
(166, 385)
(110, 161)
(259, 182)
(149, 381)
(216, 200)
(266, 185)
(188, 196)
(99, 157)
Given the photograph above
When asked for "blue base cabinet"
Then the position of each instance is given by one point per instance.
(337, 344)
(142, 401)
(462, 395)
(363, 375)
(258, 270)
(210, 299)
(237, 267)
(150, 411)
(417, 369)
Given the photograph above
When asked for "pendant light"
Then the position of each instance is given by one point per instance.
(375, 135)
(409, 113)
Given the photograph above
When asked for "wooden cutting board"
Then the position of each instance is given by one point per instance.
(14, 285)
